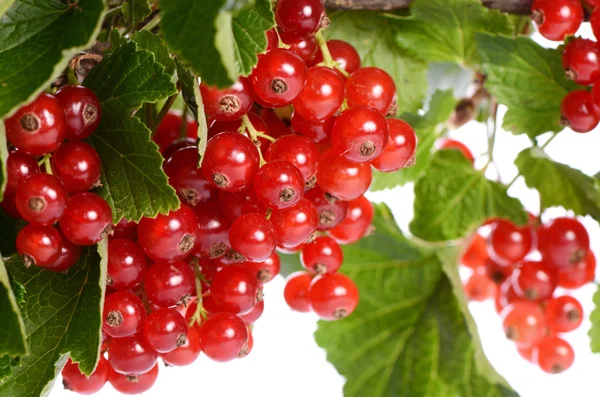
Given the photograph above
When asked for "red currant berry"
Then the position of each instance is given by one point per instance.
(187, 178)
(333, 296)
(267, 270)
(322, 95)
(235, 289)
(224, 336)
(133, 384)
(343, 53)
(316, 131)
(272, 40)
(131, 355)
(297, 150)
(506, 296)
(253, 315)
(553, 355)
(279, 77)
(170, 130)
(230, 161)
(373, 87)
(18, 167)
(557, 18)
(165, 330)
(305, 49)
(581, 60)
(239, 203)
(229, 103)
(252, 236)
(498, 272)
(227, 126)
(86, 219)
(39, 245)
(275, 126)
(299, 17)
(37, 128)
(564, 314)
(123, 314)
(296, 224)
(41, 199)
(451, 144)
(279, 184)
(357, 222)
(82, 111)
(523, 323)
(342, 178)
(480, 287)
(77, 165)
(169, 284)
(563, 242)
(169, 237)
(185, 354)
(68, 257)
(534, 281)
(399, 151)
(579, 274)
(322, 256)
(595, 22)
(126, 264)
(214, 227)
(508, 243)
(476, 254)
(296, 291)
(330, 210)
(360, 133)
(75, 380)
(125, 229)
(578, 111)
(177, 144)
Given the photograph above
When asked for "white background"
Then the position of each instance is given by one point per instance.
(286, 361)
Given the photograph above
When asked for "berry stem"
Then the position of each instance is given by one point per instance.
(163, 112)
(45, 161)
(254, 134)
(327, 58)
(265, 136)
(152, 23)
(71, 78)
(541, 147)
(200, 312)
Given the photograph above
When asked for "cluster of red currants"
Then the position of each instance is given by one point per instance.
(525, 288)
(37, 133)
(556, 20)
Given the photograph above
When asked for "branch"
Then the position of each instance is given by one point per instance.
(522, 7)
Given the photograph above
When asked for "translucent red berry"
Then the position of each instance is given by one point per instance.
(82, 111)
(581, 60)
(564, 314)
(169, 237)
(279, 184)
(187, 178)
(305, 49)
(86, 219)
(213, 228)
(360, 133)
(185, 354)
(578, 111)
(235, 289)
(266, 270)
(133, 384)
(333, 296)
(296, 291)
(131, 355)
(41, 199)
(373, 87)
(451, 144)
(523, 323)
(316, 131)
(230, 103)
(77, 165)
(296, 224)
(253, 315)
(37, 128)
(479, 287)
(297, 150)
(224, 337)
(342, 178)
(123, 314)
(76, 381)
(557, 18)
(252, 236)
(170, 130)
(509, 243)
(169, 284)
(299, 17)
(126, 264)
(68, 257)
(330, 210)
(534, 281)
(563, 242)
(230, 161)
(39, 245)
(279, 77)
(399, 151)
(579, 274)
(322, 95)
(238, 203)
(165, 330)
(343, 53)
(258, 123)
(553, 355)
(322, 256)
(125, 229)
(476, 254)
(357, 222)
(19, 166)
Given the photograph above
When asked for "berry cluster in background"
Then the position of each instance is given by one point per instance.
(288, 159)
(522, 268)
(558, 20)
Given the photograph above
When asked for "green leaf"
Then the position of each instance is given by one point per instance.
(217, 38)
(7, 363)
(146, 40)
(4, 5)
(408, 335)
(444, 30)
(190, 92)
(249, 27)
(37, 40)
(3, 158)
(428, 128)
(559, 184)
(373, 36)
(12, 329)
(135, 11)
(528, 79)
(452, 198)
(133, 182)
(594, 332)
(63, 317)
